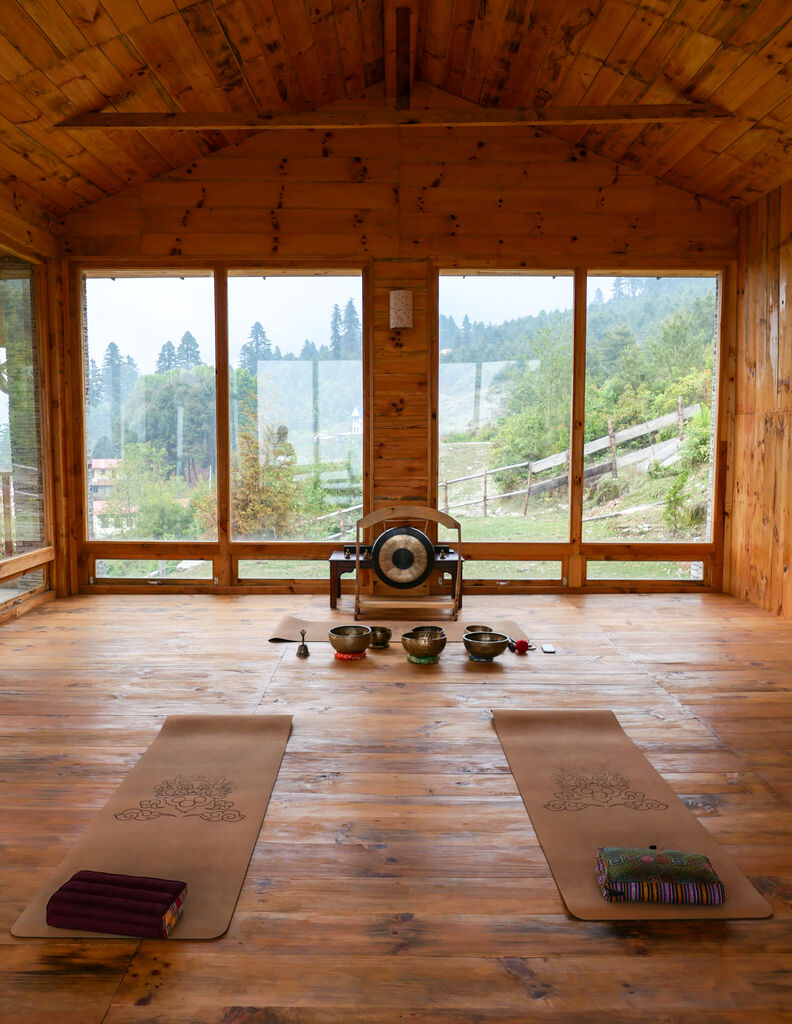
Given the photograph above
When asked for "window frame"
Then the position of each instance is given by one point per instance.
(224, 553)
(575, 552)
(43, 557)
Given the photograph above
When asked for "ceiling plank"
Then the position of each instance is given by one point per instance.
(338, 118)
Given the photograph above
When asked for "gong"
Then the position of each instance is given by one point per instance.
(402, 557)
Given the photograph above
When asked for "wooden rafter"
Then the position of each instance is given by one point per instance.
(400, 34)
(341, 118)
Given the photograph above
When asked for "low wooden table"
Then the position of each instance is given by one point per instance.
(340, 564)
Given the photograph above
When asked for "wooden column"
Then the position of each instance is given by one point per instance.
(576, 561)
(404, 414)
(222, 565)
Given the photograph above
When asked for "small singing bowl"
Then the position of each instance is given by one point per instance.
(350, 639)
(485, 644)
(478, 629)
(380, 637)
(423, 645)
(428, 631)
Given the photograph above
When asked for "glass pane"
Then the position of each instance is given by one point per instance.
(153, 569)
(650, 414)
(10, 590)
(21, 485)
(150, 407)
(285, 569)
(475, 570)
(505, 381)
(611, 570)
(296, 403)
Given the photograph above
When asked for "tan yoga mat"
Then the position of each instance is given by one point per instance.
(190, 809)
(585, 785)
(288, 629)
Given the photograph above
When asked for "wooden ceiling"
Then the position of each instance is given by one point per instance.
(61, 58)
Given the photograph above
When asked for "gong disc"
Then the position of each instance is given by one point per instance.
(402, 557)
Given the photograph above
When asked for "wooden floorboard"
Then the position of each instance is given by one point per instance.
(397, 876)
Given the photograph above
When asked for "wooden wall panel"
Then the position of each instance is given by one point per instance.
(759, 538)
(23, 228)
(512, 194)
(402, 410)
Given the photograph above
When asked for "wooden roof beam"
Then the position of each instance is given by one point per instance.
(332, 119)
(400, 23)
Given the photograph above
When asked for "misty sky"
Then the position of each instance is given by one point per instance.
(141, 314)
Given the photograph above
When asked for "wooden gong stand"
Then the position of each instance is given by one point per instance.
(425, 606)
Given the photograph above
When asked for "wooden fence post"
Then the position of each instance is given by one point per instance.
(528, 488)
(7, 520)
(485, 493)
(612, 439)
(680, 418)
(445, 494)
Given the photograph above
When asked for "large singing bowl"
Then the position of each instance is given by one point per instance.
(350, 639)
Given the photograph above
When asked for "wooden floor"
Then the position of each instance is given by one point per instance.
(397, 876)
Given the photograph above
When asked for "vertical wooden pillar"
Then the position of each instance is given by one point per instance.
(223, 562)
(576, 562)
(403, 393)
(403, 403)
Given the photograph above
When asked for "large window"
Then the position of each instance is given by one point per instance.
(296, 406)
(505, 379)
(150, 409)
(650, 413)
(21, 479)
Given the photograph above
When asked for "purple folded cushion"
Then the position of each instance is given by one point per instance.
(118, 904)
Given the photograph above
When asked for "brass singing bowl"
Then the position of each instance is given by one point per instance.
(485, 644)
(478, 629)
(380, 636)
(423, 645)
(350, 639)
(427, 631)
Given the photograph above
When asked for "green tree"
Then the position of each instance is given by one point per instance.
(351, 338)
(95, 390)
(335, 332)
(188, 354)
(256, 350)
(112, 387)
(146, 502)
(539, 394)
(166, 360)
(263, 486)
(153, 413)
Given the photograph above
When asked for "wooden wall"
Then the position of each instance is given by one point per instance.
(403, 201)
(23, 228)
(759, 518)
(500, 194)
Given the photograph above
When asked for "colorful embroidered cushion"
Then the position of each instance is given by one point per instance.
(657, 876)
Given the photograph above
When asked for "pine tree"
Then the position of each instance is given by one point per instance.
(309, 350)
(95, 389)
(166, 360)
(351, 337)
(258, 349)
(188, 354)
(335, 332)
(112, 367)
(130, 371)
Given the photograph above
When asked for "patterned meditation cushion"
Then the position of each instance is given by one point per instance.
(657, 876)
